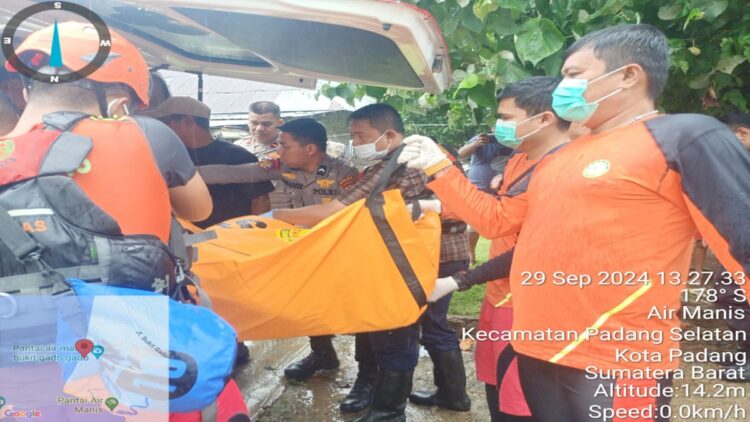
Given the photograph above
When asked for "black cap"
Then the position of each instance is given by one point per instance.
(307, 131)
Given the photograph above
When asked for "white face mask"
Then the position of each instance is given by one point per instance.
(369, 152)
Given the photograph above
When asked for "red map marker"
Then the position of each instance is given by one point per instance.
(84, 346)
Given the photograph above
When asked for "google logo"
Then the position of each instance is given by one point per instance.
(28, 414)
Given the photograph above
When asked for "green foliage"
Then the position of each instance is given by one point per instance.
(470, 301)
(495, 42)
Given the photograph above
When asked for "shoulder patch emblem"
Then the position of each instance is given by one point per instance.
(269, 164)
(6, 149)
(274, 155)
(325, 183)
(596, 168)
(347, 182)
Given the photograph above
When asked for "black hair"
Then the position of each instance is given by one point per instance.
(533, 95)
(64, 95)
(620, 45)
(735, 120)
(263, 107)
(158, 84)
(7, 106)
(6, 75)
(74, 95)
(380, 116)
(307, 131)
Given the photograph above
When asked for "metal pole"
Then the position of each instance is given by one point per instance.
(200, 86)
(199, 74)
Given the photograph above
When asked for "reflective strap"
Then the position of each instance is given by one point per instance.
(599, 322)
(375, 204)
(30, 212)
(505, 300)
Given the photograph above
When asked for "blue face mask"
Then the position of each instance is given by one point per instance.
(569, 103)
(505, 132)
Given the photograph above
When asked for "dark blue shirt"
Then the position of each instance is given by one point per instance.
(487, 162)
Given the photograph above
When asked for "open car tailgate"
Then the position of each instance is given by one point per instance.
(291, 42)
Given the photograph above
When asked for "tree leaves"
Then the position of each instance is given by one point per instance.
(728, 64)
(470, 81)
(482, 8)
(484, 95)
(521, 5)
(496, 42)
(509, 72)
(671, 12)
(538, 38)
(711, 9)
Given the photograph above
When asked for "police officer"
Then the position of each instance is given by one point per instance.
(377, 131)
(309, 176)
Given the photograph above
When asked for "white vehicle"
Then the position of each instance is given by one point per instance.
(290, 42)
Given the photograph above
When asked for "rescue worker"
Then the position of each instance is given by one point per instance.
(309, 177)
(101, 195)
(527, 124)
(488, 160)
(377, 130)
(739, 123)
(626, 199)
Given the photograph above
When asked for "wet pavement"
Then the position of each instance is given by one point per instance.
(273, 398)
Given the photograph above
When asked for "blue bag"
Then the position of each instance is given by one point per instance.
(150, 351)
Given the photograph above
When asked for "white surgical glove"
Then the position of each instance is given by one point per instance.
(422, 153)
(443, 286)
(430, 205)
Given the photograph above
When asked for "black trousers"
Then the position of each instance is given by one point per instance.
(729, 297)
(557, 393)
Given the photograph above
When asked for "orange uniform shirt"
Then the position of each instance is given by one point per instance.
(606, 231)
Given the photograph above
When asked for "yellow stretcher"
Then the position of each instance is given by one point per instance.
(366, 268)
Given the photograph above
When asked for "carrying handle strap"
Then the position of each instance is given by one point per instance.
(18, 241)
(180, 244)
(375, 203)
(391, 167)
(525, 175)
